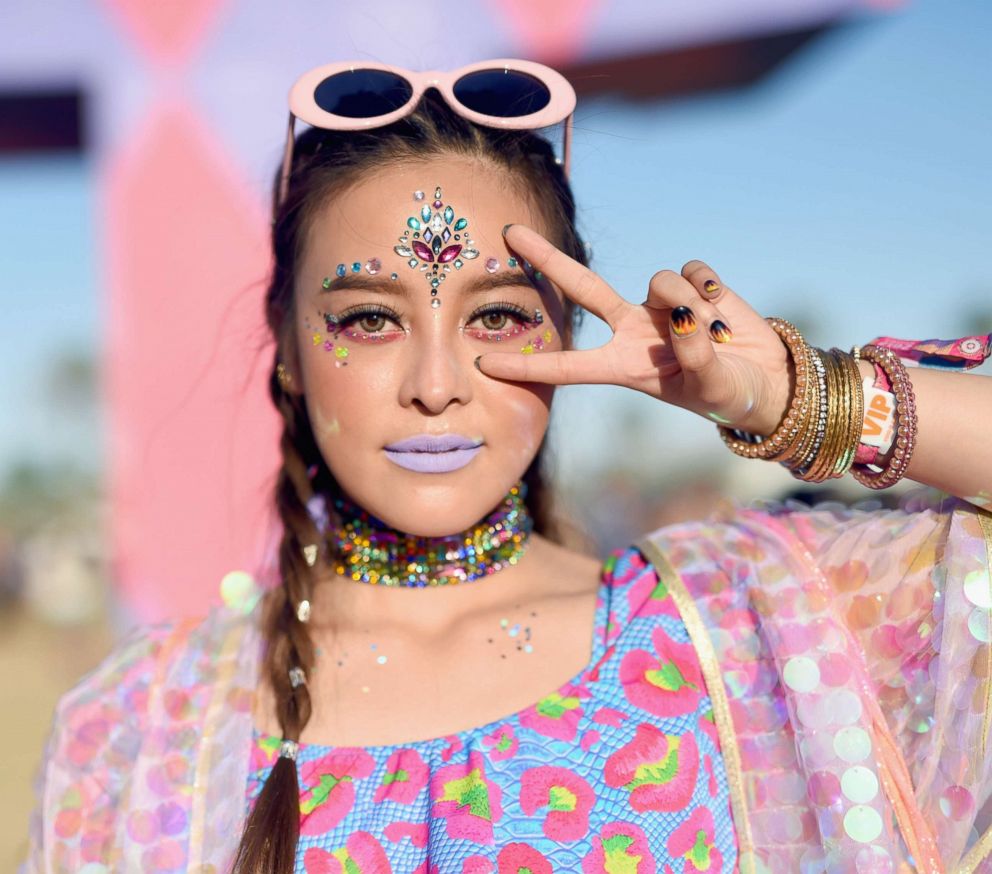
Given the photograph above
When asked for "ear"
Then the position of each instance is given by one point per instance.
(290, 357)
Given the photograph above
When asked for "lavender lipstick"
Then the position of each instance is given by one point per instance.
(433, 453)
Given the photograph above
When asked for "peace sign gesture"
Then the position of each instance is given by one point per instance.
(677, 346)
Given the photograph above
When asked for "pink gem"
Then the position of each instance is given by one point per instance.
(438, 204)
(492, 265)
(373, 266)
(422, 251)
(449, 254)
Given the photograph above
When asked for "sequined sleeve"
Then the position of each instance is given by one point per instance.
(910, 590)
(95, 736)
(848, 651)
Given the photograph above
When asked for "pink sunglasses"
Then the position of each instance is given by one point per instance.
(500, 93)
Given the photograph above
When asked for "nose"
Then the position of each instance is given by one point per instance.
(438, 369)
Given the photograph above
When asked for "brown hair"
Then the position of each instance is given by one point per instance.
(325, 163)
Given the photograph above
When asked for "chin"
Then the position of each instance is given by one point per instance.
(452, 503)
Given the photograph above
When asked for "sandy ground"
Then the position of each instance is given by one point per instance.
(38, 662)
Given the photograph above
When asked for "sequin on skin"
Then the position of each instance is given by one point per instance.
(720, 332)
(683, 321)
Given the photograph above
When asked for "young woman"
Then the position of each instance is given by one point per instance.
(775, 689)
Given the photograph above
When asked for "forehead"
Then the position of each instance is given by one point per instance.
(373, 211)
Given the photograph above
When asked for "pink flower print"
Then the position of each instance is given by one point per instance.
(693, 841)
(635, 565)
(589, 740)
(477, 865)
(264, 752)
(469, 802)
(406, 774)
(609, 716)
(417, 832)
(502, 743)
(707, 725)
(711, 774)
(649, 596)
(659, 770)
(455, 745)
(328, 789)
(555, 715)
(621, 848)
(569, 797)
(668, 684)
(361, 854)
(518, 858)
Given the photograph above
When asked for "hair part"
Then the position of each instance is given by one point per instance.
(325, 164)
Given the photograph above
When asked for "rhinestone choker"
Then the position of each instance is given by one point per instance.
(370, 551)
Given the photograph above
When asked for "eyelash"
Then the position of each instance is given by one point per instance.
(355, 314)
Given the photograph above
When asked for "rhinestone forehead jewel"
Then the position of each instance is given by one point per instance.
(440, 241)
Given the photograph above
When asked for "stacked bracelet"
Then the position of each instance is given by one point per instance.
(818, 437)
(905, 402)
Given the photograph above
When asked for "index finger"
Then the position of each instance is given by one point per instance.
(582, 285)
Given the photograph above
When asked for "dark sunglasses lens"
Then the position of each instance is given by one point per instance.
(503, 93)
(362, 93)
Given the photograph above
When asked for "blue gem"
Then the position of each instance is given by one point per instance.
(356, 268)
(461, 223)
(341, 270)
(413, 224)
(511, 262)
(425, 213)
(449, 214)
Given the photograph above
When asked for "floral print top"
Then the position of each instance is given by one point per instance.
(619, 770)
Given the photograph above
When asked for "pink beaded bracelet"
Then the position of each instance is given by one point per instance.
(902, 387)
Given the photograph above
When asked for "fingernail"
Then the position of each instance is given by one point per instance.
(476, 363)
(720, 332)
(683, 321)
(507, 226)
(711, 286)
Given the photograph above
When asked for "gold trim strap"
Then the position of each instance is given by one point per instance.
(215, 709)
(981, 850)
(713, 676)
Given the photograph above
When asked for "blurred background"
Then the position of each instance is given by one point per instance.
(829, 159)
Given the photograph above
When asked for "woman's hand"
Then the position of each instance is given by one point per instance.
(739, 376)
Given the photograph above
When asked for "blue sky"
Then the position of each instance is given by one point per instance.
(850, 192)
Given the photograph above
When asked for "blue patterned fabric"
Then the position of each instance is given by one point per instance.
(618, 770)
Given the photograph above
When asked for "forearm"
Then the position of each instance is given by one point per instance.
(954, 432)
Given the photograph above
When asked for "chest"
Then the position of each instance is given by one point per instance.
(383, 690)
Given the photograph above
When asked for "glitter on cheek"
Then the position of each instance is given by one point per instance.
(325, 426)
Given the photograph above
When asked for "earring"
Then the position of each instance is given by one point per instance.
(284, 376)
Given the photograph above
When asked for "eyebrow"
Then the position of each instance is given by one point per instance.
(391, 286)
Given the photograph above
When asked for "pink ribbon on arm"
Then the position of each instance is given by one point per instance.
(961, 354)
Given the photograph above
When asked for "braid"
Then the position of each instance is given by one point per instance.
(272, 829)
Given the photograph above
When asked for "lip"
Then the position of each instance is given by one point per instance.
(433, 443)
(433, 453)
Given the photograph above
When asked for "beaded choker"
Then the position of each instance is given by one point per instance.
(372, 552)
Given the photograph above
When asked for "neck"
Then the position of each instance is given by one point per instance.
(370, 551)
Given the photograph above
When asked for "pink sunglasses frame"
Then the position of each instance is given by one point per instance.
(303, 106)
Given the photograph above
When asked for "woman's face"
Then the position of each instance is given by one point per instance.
(383, 360)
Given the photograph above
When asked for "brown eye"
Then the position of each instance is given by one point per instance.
(372, 322)
(494, 321)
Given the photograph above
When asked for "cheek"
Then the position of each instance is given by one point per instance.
(522, 418)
